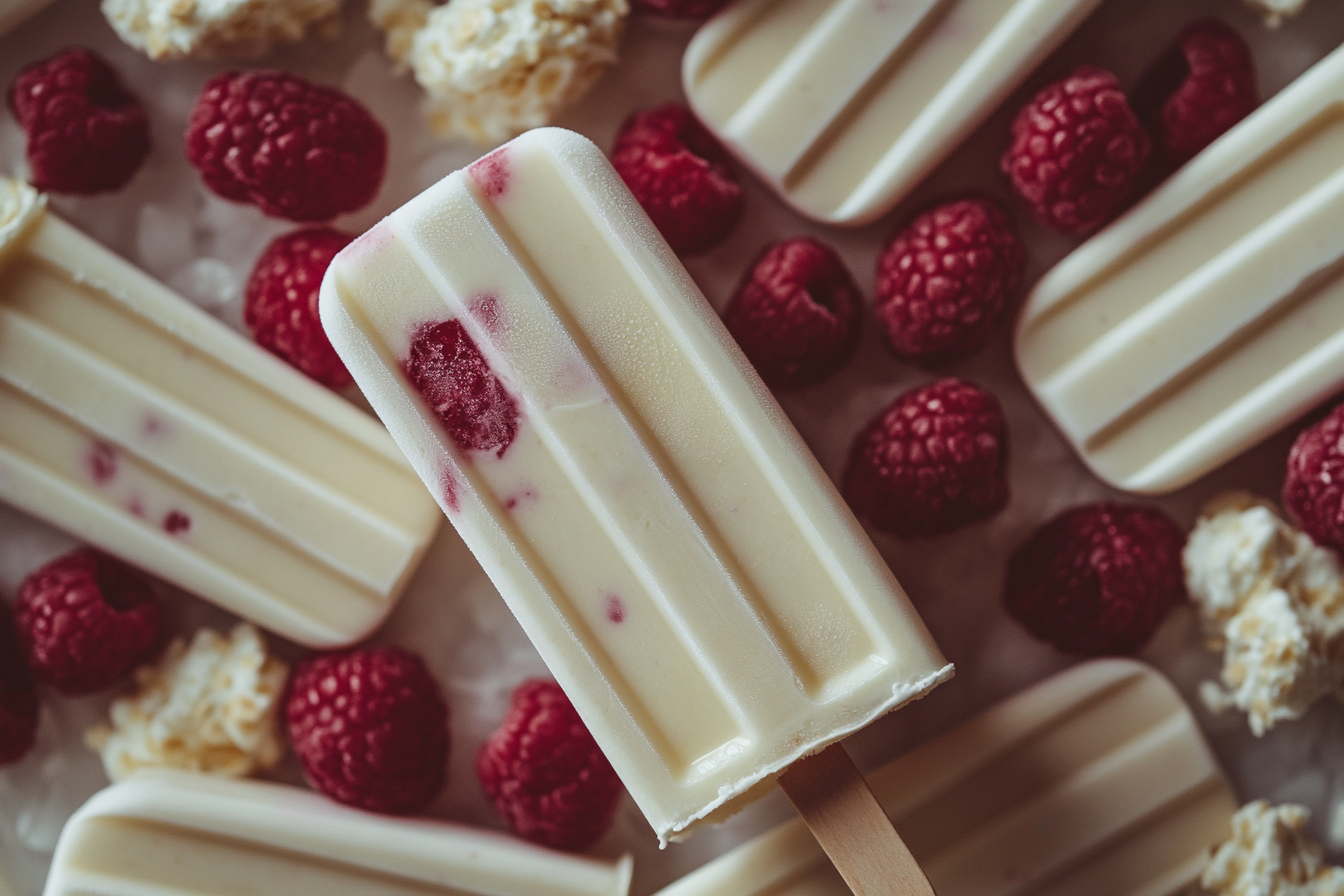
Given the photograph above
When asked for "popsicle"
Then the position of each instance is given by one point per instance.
(1095, 781)
(161, 832)
(843, 106)
(682, 563)
(14, 13)
(1212, 313)
(139, 423)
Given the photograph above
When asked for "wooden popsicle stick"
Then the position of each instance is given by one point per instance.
(833, 798)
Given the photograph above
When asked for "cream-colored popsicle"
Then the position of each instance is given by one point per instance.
(13, 13)
(1096, 781)
(844, 106)
(135, 421)
(683, 564)
(1212, 313)
(162, 832)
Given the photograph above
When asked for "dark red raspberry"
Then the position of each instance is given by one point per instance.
(1199, 88)
(545, 773)
(298, 150)
(680, 174)
(18, 701)
(944, 281)
(1313, 490)
(281, 302)
(370, 728)
(86, 133)
(1075, 152)
(680, 9)
(85, 621)
(447, 369)
(933, 461)
(1097, 579)
(796, 313)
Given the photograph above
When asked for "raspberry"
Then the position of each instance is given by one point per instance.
(680, 174)
(1097, 579)
(1200, 87)
(932, 462)
(1313, 490)
(447, 369)
(281, 304)
(298, 150)
(1076, 150)
(545, 773)
(85, 621)
(86, 133)
(680, 9)
(18, 702)
(370, 728)
(943, 282)
(796, 313)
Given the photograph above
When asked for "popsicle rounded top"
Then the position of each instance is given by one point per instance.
(1210, 314)
(682, 563)
(843, 106)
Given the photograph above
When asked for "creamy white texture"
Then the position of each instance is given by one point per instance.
(492, 69)
(208, 29)
(211, 707)
(1274, 603)
(1275, 11)
(1269, 855)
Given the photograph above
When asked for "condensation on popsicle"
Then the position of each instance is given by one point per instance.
(1212, 313)
(1096, 781)
(844, 106)
(135, 421)
(684, 566)
(161, 832)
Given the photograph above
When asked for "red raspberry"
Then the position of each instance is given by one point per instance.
(680, 174)
(85, 621)
(545, 773)
(1200, 87)
(680, 9)
(930, 463)
(281, 304)
(448, 370)
(943, 282)
(1313, 490)
(298, 150)
(86, 133)
(1076, 150)
(1097, 579)
(796, 313)
(18, 702)
(370, 728)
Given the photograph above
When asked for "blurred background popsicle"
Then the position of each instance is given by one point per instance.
(162, 832)
(682, 563)
(137, 422)
(843, 106)
(1212, 313)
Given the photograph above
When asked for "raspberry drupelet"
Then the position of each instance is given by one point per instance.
(933, 461)
(945, 280)
(796, 313)
(86, 133)
(370, 728)
(1098, 579)
(1313, 489)
(85, 621)
(545, 773)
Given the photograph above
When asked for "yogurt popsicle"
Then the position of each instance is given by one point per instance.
(12, 14)
(161, 832)
(685, 567)
(844, 106)
(1096, 781)
(139, 423)
(1212, 313)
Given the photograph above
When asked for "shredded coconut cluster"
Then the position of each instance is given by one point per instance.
(495, 68)
(1269, 855)
(1273, 601)
(1275, 11)
(211, 707)
(207, 29)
